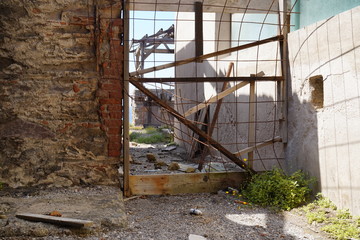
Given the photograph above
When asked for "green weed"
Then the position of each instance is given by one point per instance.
(339, 224)
(276, 189)
(150, 135)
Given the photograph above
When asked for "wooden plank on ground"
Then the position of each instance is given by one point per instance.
(185, 183)
(206, 56)
(215, 98)
(260, 145)
(72, 222)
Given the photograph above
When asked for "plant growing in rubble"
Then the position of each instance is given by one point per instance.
(278, 190)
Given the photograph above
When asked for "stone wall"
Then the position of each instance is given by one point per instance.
(60, 92)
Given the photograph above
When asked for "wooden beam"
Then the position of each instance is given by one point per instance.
(207, 79)
(185, 183)
(206, 56)
(194, 128)
(260, 145)
(251, 129)
(199, 30)
(72, 222)
(215, 98)
(126, 105)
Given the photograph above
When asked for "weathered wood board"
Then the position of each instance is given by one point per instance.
(185, 183)
(72, 222)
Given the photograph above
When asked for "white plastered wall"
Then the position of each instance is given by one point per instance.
(326, 141)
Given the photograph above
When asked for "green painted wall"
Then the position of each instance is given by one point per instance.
(312, 11)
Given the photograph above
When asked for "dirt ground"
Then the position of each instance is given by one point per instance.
(145, 217)
(151, 217)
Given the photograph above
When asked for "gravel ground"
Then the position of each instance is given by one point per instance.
(168, 217)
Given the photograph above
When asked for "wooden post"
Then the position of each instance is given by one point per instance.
(126, 152)
(282, 86)
(199, 30)
(251, 129)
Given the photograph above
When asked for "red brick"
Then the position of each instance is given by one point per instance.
(114, 153)
(103, 127)
(104, 115)
(76, 88)
(113, 130)
(114, 146)
(103, 108)
(110, 101)
(115, 115)
(112, 123)
(114, 108)
(110, 86)
(115, 94)
(114, 139)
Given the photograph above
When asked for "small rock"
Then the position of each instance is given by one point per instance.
(2, 216)
(160, 164)
(196, 237)
(151, 157)
(190, 170)
(173, 166)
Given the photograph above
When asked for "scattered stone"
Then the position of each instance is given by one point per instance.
(196, 237)
(190, 170)
(169, 148)
(159, 165)
(134, 144)
(194, 211)
(151, 157)
(173, 166)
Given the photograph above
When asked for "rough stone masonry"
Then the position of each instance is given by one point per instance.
(60, 92)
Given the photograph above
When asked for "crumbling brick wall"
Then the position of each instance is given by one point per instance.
(60, 92)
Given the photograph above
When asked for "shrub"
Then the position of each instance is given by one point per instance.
(276, 189)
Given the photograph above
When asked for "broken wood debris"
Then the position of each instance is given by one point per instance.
(71, 222)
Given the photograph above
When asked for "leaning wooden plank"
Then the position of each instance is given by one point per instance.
(215, 116)
(206, 56)
(72, 222)
(208, 79)
(185, 183)
(194, 128)
(260, 145)
(215, 98)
